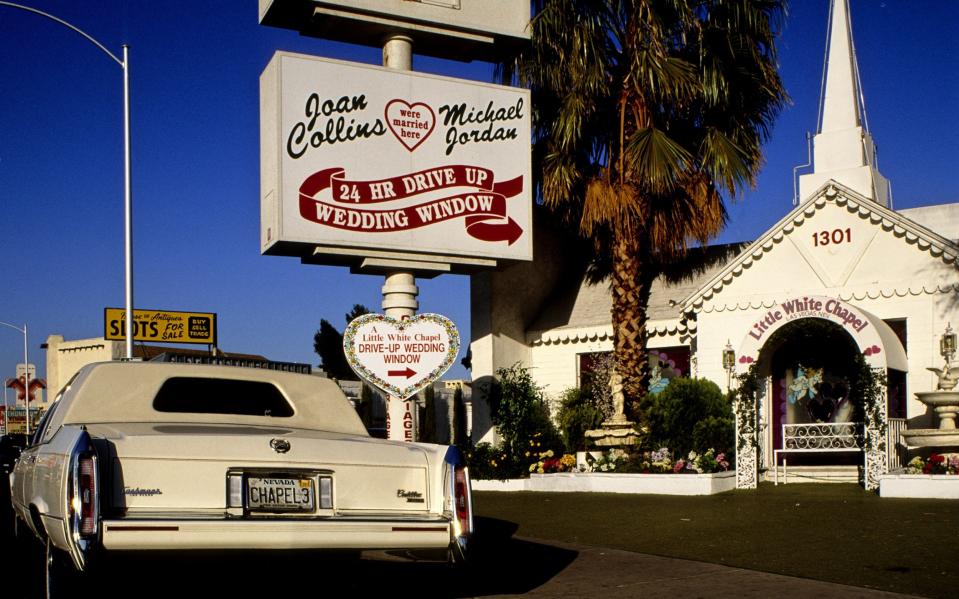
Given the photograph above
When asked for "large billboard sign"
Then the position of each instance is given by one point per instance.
(161, 326)
(358, 158)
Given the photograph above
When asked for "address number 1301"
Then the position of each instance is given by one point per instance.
(834, 237)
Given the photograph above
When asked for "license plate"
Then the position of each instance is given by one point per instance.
(280, 494)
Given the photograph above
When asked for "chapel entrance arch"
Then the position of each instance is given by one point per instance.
(870, 336)
(812, 369)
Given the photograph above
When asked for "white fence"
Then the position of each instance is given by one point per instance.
(894, 449)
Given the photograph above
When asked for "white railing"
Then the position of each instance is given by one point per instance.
(816, 437)
(895, 451)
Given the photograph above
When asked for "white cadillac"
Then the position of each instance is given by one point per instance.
(147, 456)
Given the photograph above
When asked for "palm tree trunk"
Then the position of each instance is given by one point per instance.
(630, 289)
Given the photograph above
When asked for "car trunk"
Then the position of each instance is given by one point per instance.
(151, 476)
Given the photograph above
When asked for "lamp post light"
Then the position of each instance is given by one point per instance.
(729, 363)
(127, 189)
(947, 344)
(26, 371)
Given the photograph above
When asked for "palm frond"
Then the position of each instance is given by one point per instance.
(655, 160)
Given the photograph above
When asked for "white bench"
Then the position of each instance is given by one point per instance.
(817, 437)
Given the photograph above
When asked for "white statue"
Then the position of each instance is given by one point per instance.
(948, 377)
(619, 400)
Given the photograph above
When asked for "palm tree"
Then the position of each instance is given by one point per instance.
(646, 113)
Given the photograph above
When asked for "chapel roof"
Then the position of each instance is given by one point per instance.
(831, 192)
(578, 303)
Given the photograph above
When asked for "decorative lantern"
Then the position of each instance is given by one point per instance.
(947, 343)
(729, 356)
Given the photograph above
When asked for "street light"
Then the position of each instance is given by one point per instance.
(127, 189)
(26, 371)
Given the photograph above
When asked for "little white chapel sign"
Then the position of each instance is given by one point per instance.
(355, 156)
(401, 357)
(809, 307)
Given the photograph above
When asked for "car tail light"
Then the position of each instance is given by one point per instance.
(85, 500)
(462, 501)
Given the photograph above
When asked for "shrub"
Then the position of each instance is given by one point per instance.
(487, 462)
(577, 413)
(518, 409)
(690, 415)
(715, 432)
(596, 383)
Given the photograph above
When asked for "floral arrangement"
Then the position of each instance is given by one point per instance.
(938, 463)
(548, 462)
(660, 462)
(707, 462)
(609, 462)
(489, 462)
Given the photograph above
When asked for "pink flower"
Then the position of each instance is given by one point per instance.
(679, 466)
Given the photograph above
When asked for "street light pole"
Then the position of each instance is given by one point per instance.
(127, 188)
(26, 371)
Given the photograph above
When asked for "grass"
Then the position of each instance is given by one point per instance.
(832, 532)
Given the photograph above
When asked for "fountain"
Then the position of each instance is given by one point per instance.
(944, 401)
(617, 431)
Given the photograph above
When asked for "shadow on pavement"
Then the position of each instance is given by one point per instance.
(501, 565)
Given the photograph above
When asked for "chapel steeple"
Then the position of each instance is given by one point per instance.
(843, 149)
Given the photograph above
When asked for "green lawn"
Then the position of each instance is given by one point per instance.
(833, 532)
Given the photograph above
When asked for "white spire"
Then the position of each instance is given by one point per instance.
(840, 102)
(843, 148)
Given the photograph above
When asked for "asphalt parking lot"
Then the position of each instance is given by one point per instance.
(518, 568)
(505, 566)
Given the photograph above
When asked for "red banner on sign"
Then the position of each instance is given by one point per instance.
(484, 210)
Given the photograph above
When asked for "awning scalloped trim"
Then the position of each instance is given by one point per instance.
(848, 296)
(661, 328)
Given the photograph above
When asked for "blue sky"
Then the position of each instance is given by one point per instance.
(195, 69)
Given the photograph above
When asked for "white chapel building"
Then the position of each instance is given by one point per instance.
(842, 273)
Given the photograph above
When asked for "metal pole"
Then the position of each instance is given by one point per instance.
(26, 378)
(399, 287)
(127, 204)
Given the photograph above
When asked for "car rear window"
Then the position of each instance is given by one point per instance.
(221, 396)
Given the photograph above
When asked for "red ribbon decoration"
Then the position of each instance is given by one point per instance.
(483, 211)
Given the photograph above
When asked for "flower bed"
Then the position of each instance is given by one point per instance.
(937, 463)
(616, 471)
(934, 477)
(919, 486)
(605, 482)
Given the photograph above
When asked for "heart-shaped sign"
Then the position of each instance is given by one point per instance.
(401, 356)
(410, 123)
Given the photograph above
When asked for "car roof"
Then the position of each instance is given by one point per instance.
(116, 392)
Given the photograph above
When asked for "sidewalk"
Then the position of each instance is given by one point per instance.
(615, 574)
(831, 532)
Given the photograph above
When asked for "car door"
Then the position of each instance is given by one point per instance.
(22, 484)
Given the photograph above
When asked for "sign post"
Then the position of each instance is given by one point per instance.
(392, 172)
